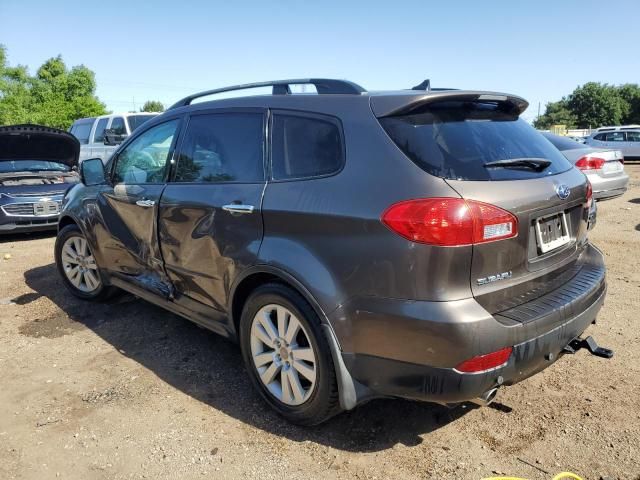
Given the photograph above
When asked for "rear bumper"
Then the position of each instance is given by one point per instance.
(605, 188)
(404, 351)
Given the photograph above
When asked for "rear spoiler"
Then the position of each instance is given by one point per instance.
(391, 105)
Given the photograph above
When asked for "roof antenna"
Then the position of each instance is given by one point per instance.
(426, 85)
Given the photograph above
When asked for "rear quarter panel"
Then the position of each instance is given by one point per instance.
(328, 234)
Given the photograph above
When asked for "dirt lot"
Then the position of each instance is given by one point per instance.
(126, 390)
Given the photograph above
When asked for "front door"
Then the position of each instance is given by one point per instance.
(210, 218)
(129, 209)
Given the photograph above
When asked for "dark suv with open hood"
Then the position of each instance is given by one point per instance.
(421, 244)
(35, 171)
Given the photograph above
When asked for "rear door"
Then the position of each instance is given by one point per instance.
(97, 142)
(633, 144)
(210, 214)
(129, 208)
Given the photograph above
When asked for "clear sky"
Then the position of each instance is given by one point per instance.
(167, 49)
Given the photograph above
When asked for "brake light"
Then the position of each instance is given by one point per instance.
(589, 194)
(590, 163)
(482, 363)
(450, 221)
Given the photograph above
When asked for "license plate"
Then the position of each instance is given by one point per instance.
(552, 232)
(46, 208)
(612, 167)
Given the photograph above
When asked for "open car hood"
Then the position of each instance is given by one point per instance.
(36, 142)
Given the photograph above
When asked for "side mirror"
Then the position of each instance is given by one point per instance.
(92, 172)
(111, 137)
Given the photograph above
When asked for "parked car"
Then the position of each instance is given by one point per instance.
(604, 168)
(35, 171)
(576, 138)
(100, 136)
(624, 139)
(420, 244)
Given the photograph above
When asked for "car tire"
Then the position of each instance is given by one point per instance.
(289, 360)
(77, 267)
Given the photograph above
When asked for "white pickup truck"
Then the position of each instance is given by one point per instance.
(91, 132)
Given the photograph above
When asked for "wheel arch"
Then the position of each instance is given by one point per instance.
(350, 391)
(66, 220)
(258, 275)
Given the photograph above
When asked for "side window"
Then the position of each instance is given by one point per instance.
(82, 131)
(633, 136)
(117, 126)
(305, 146)
(98, 136)
(614, 137)
(599, 137)
(222, 147)
(144, 160)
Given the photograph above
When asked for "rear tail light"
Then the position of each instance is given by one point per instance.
(482, 363)
(450, 221)
(589, 194)
(590, 163)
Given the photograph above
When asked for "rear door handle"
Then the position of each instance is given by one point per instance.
(145, 203)
(234, 208)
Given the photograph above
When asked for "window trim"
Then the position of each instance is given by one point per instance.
(170, 157)
(305, 114)
(221, 111)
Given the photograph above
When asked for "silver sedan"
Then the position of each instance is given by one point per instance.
(603, 167)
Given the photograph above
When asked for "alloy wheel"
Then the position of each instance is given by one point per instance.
(79, 265)
(283, 354)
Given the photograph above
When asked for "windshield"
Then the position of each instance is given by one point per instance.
(136, 120)
(15, 166)
(456, 140)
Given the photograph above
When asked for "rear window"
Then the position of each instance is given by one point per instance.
(455, 140)
(562, 143)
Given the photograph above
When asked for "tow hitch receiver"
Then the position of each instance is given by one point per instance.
(590, 344)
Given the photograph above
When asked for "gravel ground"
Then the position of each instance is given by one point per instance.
(127, 390)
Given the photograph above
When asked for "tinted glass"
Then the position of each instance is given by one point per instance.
(562, 143)
(305, 147)
(117, 126)
(455, 140)
(633, 136)
(82, 131)
(599, 137)
(98, 136)
(222, 147)
(144, 160)
(614, 137)
(136, 120)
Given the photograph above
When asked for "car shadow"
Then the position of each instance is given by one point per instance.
(635, 200)
(209, 368)
(26, 236)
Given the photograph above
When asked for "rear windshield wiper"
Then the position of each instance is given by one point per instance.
(537, 164)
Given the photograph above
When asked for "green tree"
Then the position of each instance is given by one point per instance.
(596, 104)
(630, 94)
(55, 96)
(556, 113)
(152, 106)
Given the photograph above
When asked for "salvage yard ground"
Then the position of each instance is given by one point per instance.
(127, 390)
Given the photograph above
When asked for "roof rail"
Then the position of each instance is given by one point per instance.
(324, 86)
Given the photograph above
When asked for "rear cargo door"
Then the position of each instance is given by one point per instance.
(487, 154)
